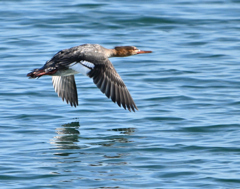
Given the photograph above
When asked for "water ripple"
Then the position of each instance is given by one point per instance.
(186, 132)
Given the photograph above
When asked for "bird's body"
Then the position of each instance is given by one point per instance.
(92, 61)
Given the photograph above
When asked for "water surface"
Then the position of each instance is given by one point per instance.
(186, 132)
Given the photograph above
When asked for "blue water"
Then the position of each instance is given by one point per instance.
(186, 132)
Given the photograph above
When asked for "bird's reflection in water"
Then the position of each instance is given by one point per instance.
(68, 136)
(112, 140)
(126, 131)
(97, 154)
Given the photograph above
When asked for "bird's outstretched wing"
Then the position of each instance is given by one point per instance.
(65, 87)
(111, 84)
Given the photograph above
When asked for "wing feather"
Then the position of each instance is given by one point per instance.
(65, 87)
(111, 84)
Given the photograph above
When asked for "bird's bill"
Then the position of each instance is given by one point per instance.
(142, 52)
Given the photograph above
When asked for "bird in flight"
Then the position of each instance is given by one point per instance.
(92, 61)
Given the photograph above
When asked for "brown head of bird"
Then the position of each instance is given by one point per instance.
(122, 51)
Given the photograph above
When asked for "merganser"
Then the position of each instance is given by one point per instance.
(92, 61)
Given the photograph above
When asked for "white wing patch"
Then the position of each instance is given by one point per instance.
(88, 64)
(83, 67)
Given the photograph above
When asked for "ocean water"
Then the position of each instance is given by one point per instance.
(186, 133)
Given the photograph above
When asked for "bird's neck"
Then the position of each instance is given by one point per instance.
(112, 53)
(117, 53)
